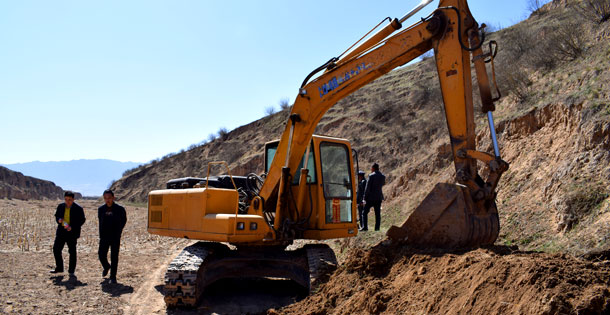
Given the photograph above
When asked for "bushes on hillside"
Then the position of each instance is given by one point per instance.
(578, 201)
(270, 110)
(597, 11)
(284, 104)
(223, 133)
(527, 50)
(534, 6)
(132, 170)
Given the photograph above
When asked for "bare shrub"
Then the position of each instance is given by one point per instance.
(426, 93)
(269, 111)
(211, 137)
(555, 43)
(569, 42)
(533, 6)
(524, 48)
(597, 11)
(519, 42)
(543, 50)
(131, 170)
(223, 133)
(284, 104)
(542, 55)
(579, 201)
(382, 111)
(169, 155)
(516, 82)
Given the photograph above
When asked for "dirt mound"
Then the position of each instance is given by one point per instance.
(392, 279)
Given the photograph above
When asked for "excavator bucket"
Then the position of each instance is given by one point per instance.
(447, 218)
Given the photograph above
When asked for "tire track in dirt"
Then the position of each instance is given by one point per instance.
(147, 299)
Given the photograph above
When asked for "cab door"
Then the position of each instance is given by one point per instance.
(337, 185)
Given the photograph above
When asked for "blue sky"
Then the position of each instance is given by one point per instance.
(136, 80)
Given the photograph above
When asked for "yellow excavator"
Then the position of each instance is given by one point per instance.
(307, 191)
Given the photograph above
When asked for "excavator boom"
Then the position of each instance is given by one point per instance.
(454, 35)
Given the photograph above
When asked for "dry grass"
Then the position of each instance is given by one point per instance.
(24, 225)
(30, 226)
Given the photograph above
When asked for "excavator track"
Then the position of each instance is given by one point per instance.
(202, 263)
(321, 261)
(181, 276)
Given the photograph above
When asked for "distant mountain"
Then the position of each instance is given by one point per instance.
(89, 177)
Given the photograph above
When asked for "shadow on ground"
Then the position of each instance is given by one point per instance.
(244, 296)
(115, 289)
(70, 283)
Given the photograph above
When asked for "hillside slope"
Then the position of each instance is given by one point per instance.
(14, 185)
(553, 124)
(90, 177)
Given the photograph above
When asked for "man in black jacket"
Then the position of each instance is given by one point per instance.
(373, 196)
(69, 217)
(112, 218)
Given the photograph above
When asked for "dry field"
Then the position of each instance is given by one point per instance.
(27, 231)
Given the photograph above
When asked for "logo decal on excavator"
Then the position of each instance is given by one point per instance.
(336, 81)
(336, 206)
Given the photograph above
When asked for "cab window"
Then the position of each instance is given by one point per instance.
(337, 182)
(270, 151)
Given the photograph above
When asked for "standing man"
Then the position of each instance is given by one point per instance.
(69, 217)
(373, 196)
(112, 218)
(360, 197)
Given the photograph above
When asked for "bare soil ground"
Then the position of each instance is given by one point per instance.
(27, 231)
(394, 279)
(387, 279)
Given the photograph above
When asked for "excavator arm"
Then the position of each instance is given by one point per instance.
(454, 35)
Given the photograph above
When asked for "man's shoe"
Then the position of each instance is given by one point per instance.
(105, 272)
(56, 271)
(112, 280)
(363, 229)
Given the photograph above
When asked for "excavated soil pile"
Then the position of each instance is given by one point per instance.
(393, 279)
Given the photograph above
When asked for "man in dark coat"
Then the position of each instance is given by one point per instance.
(112, 218)
(360, 197)
(373, 196)
(69, 217)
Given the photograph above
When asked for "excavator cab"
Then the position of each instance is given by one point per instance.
(324, 191)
